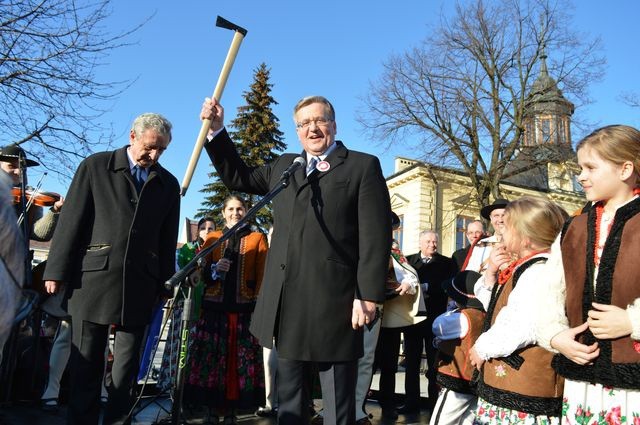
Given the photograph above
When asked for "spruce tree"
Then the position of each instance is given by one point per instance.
(256, 134)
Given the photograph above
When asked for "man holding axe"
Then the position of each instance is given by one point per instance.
(328, 259)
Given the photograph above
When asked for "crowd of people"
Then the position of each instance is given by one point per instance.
(536, 322)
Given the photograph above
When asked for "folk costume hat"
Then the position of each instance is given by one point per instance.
(497, 204)
(13, 153)
(460, 289)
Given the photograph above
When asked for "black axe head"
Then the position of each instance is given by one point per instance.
(223, 23)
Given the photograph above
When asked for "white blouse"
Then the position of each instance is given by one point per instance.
(514, 326)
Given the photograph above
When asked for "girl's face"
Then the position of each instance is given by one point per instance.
(601, 180)
(233, 212)
(206, 228)
(511, 240)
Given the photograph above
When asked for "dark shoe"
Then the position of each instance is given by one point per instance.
(409, 409)
(266, 412)
(389, 413)
(364, 421)
(49, 404)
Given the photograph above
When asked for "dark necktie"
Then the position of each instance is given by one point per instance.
(137, 177)
(312, 165)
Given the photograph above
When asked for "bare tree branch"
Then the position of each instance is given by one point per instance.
(50, 97)
(464, 90)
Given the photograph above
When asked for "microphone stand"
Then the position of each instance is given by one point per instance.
(182, 276)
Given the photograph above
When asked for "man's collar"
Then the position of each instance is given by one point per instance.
(132, 163)
(324, 155)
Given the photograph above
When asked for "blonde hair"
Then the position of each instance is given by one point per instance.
(616, 144)
(537, 219)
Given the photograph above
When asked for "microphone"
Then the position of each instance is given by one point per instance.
(297, 163)
(227, 254)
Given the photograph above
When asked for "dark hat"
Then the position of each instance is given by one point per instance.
(395, 221)
(460, 289)
(14, 152)
(497, 204)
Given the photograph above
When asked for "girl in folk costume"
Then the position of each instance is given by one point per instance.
(592, 296)
(455, 333)
(225, 362)
(186, 253)
(517, 383)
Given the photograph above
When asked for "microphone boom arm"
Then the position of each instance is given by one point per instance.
(181, 274)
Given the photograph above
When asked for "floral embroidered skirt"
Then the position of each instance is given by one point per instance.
(225, 363)
(167, 376)
(585, 403)
(487, 413)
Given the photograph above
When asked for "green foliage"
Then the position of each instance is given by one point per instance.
(257, 138)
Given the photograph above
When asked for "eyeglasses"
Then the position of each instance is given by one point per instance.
(317, 121)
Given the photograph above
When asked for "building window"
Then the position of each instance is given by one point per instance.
(461, 231)
(397, 233)
(546, 131)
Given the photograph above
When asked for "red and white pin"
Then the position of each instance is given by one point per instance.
(323, 166)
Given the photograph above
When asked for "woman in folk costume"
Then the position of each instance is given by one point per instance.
(592, 296)
(404, 307)
(186, 253)
(226, 371)
(517, 383)
(455, 332)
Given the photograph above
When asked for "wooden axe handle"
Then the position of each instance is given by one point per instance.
(217, 94)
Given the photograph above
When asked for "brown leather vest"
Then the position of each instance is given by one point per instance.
(617, 284)
(454, 369)
(525, 380)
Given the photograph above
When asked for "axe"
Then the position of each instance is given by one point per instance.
(239, 34)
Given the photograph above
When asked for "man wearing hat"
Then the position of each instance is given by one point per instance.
(479, 255)
(41, 226)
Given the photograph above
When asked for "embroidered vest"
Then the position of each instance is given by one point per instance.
(525, 380)
(454, 369)
(249, 268)
(617, 283)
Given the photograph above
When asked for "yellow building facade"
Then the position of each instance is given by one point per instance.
(430, 197)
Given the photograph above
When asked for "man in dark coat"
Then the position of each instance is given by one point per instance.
(328, 258)
(475, 230)
(432, 268)
(114, 247)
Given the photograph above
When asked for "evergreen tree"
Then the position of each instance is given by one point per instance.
(258, 138)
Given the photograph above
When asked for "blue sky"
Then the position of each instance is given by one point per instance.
(333, 48)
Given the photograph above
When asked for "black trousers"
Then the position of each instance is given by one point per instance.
(387, 352)
(87, 368)
(416, 338)
(338, 382)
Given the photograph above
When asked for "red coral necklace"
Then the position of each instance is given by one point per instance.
(506, 274)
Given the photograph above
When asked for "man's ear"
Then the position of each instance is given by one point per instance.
(132, 137)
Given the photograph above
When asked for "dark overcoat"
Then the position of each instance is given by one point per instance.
(434, 272)
(113, 247)
(330, 244)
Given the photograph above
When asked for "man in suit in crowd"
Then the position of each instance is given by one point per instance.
(328, 258)
(479, 257)
(475, 230)
(432, 268)
(114, 248)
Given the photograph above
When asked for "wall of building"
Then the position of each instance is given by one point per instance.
(433, 198)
